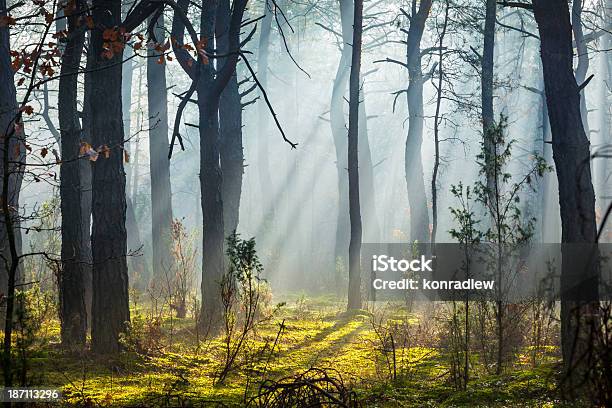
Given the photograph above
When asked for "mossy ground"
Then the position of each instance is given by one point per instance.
(179, 370)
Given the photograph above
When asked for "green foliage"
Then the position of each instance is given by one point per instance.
(467, 233)
(182, 372)
(500, 192)
(33, 309)
(505, 229)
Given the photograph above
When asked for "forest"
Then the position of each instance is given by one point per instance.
(306, 203)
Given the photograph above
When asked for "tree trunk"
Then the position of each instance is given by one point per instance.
(11, 176)
(371, 230)
(230, 127)
(110, 310)
(263, 151)
(136, 260)
(437, 116)
(582, 52)
(85, 167)
(354, 293)
(72, 291)
(210, 186)
(209, 88)
(413, 165)
(571, 154)
(601, 166)
(212, 213)
(486, 84)
(338, 128)
(161, 193)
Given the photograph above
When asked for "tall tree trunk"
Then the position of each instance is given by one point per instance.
(85, 167)
(12, 150)
(601, 166)
(437, 117)
(263, 130)
(338, 128)
(161, 193)
(212, 213)
(576, 197)
(209, 88)
(72, 290)
(413, 165)
(230, 127)
(136, 260)
(354, 293)
(110, 310)
(371, 229)
(486, 84)
(582, 52)
(210, 186)
(548, 204)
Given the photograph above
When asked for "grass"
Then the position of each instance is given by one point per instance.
(176, 368)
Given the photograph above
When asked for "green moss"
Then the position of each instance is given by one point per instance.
(316, 333)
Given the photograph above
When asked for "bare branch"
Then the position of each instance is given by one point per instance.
(265, 95)
(179, 112)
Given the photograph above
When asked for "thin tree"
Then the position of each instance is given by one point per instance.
(487, 62)
(354, 293)
(338, 128)
(161, 193)
(263, 151)
(230, 129)
(437, 119)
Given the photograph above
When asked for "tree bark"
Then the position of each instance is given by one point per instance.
(486, 84)
(582, 52)
(354, 293)
(413, 165)
(209, 88)
(12, 150)
(579, 286)
(338, 128)
(371, 229)
(230, 128)
(72, 290)
(85, 168)
(161, 193)
(213, 265)
(110, 309)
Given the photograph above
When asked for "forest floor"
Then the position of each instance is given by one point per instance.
(166, 364)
